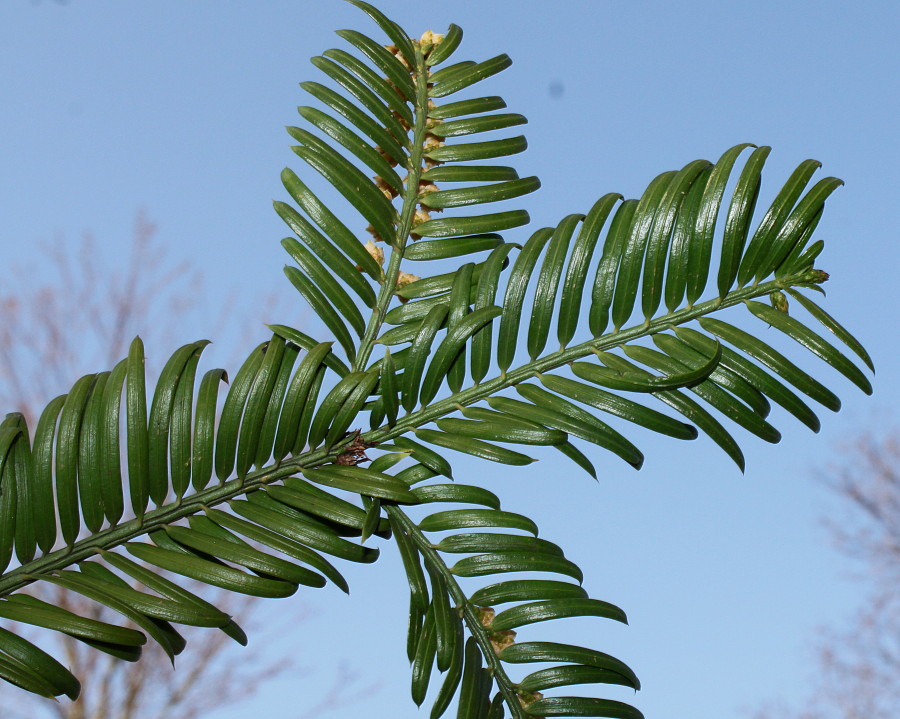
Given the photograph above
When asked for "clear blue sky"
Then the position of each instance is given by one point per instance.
(178, 108)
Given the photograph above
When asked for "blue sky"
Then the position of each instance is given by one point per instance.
(178, 109)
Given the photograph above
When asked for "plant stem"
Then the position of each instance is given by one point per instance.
(407, 215)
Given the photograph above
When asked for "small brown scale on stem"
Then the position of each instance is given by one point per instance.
(355, 452)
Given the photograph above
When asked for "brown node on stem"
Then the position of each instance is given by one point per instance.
(355, 452)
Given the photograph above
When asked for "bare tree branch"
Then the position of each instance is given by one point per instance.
(857, 669)
(868, 485)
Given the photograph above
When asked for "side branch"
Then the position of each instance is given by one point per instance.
(562, 357)
(469, 615)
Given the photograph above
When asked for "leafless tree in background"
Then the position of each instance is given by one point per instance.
(858, 669)
(869, 485)
(77, 314)
(82, 314)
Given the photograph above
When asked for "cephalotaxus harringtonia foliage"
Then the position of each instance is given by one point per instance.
(450, 337)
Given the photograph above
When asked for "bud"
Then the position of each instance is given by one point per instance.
(403, 279)
(501, 640)
(526, 698)
(779, 301)
(375, 251)
(485, 615)
(814, 277)
(430, 38)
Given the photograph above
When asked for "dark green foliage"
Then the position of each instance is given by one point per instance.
(474, 366)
